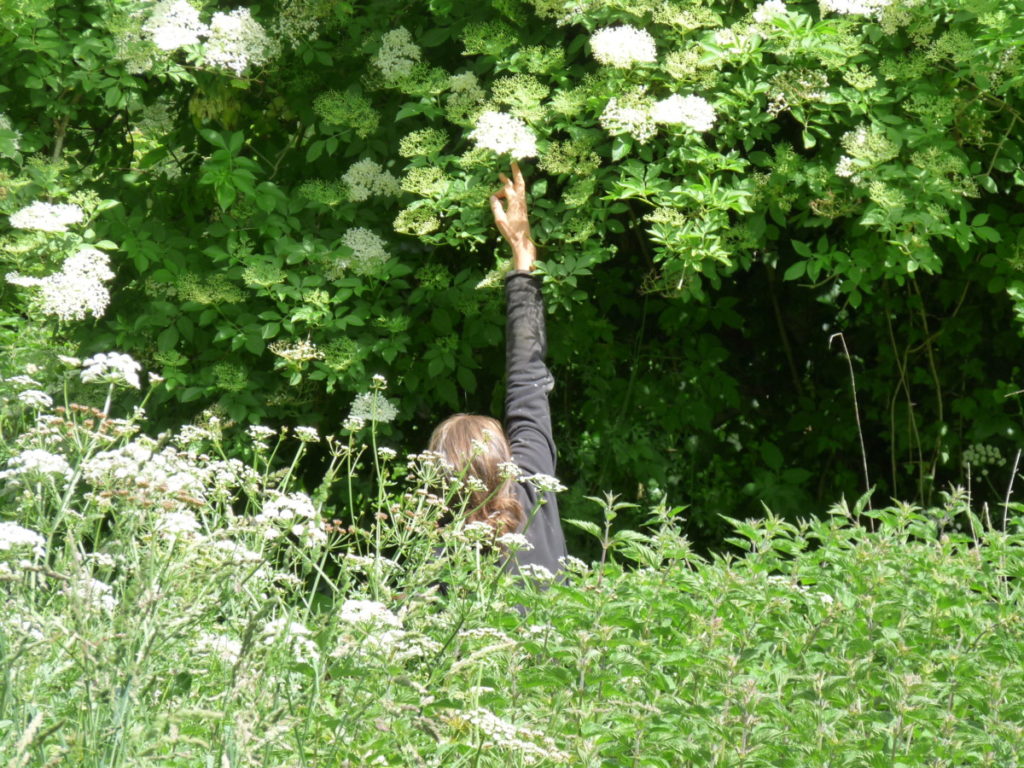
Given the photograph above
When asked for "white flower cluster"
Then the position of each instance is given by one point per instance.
(237, 41)
(35, 398)
(368, 252)
(14, 141)
(515, 542)
(544, 482)
(397, 645)
(77, 290)
(173, 24)
(623, 46)
(373, 407)
(14, 536)
(854, 7)
(235, 553)
(294, 513)
(91, 594)
(365, 179)
(307, 434)
(179, 524)
(980, 455)
(504, 133)
(692, 111)
(225, 648)
(398, 54)
(532, 745)
(294, 635)
(537, 572)
(36, 462)
(767, 10)
(112, 367)
(368, 612)
(846, 168)
(47, 217)
(630, 114)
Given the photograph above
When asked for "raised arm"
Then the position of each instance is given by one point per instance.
(527, 412)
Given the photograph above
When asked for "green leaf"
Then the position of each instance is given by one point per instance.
(167, 339)
(795, 271)
(588, 526)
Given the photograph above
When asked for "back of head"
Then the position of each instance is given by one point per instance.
(476, 447)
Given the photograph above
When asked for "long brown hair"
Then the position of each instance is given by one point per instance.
(475, 446)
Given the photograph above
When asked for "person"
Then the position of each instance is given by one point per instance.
(477, 445)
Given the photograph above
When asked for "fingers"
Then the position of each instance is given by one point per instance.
(499, 213)
(520, 182)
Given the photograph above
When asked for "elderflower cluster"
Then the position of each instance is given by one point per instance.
(417, 219)
(365, 179)
(767, 10)
(623, 46)
(368, 253)
(236, 41)
(502, 133)
(426, 141)
(464, 99)
(630, 114)
(47, 217)
(372, 407)
(854, 7)
(173, 24)
(398, 54)
(692, 111)
(76, 290)
(111, 367)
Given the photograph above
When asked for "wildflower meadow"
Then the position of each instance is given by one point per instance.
(248, 263)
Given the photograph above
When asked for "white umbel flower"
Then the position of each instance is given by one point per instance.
(111, 367)
(854, 7)
(47, 217)
(368, 252)
(365, 179)
(14, 536)
(692, 111)
(764, 13)
(504, 133)
(236, 41)
(173, 24)
(398, 54)
(368, 612)
(36, 461)
(77, 290)
(623, 46)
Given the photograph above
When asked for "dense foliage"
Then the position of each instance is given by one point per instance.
(285, 198)
(163, 605)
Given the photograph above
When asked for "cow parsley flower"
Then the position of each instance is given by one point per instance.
(35, 398)
(35, 461)
(366, 178)
(225, 648)
(503, 133)
(515, 542)
(111, 367)
(179, 524)
(307, 434)
(91, 594)
(368, 612)
(294, 635)
(398, 54)
(47, 217)
(237, 41)
(173, 24)
(691, 111)
(767, 10)
(623, 46)
(76, 290)
(533, 745)
(286, 508)
(544, 482)
(13, 535)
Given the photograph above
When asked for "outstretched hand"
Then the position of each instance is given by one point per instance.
(512, 219)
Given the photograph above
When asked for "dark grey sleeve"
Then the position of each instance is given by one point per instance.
(528, 418)
(527, 413)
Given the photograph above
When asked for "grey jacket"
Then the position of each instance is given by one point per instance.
(528, 418)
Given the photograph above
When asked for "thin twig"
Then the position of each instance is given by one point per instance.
(856, 408)
(1009, 488)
